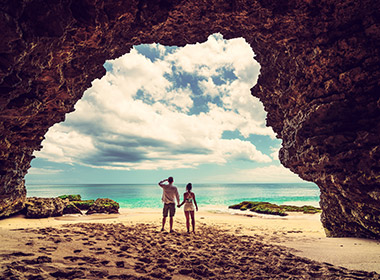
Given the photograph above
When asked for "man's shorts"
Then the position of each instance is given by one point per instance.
(169, 207)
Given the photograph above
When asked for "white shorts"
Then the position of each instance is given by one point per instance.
(189, 207)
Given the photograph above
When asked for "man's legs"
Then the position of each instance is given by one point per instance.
(165, 214)
(171, 224)
(172, 213)
(163, 223)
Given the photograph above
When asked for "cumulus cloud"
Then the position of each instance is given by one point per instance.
(166, 109)
(275, 152)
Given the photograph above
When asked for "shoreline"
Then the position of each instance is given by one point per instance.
(301, 234)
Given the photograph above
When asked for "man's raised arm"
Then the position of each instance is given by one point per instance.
(161, 183)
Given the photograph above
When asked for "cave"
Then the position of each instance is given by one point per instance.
(319, 82)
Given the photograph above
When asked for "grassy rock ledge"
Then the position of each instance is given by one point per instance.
(273, 209)
(104, 205)
(37, 207)
(76, 200)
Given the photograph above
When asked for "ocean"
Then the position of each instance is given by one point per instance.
(207, 195)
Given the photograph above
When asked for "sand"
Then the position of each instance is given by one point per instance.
(226, 245)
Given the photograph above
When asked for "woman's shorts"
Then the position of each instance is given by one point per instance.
(189, 207)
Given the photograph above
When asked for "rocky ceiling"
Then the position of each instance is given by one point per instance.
(319, 82)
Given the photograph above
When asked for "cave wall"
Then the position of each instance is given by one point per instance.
(319, 82)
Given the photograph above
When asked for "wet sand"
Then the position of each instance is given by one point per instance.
(225, 246)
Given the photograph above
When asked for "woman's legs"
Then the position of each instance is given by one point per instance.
(192, 220)
(187, 214)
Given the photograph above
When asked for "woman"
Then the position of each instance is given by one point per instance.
(188, 199)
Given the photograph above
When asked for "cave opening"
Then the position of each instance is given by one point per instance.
(187, 111)
(318, 83)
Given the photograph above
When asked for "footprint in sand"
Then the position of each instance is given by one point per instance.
(159, 274)
(99, 251)
(122, 255)
(38, 260)
(104, 262)
(68, 274)
(16, 266)
(120, 264)
(140, 267)
(47, 249)
(122, 276)
(21, 254)
(145, 259)
(99, 274)
(72, 258)
(89, 243)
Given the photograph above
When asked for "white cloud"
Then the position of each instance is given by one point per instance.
(138, 117)
(275, 152)
(67, 146)
(209, 88)
(43, 171)
(267, 174)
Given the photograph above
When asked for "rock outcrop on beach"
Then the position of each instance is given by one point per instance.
(104, 205)
(83, 204)
(38, 207)
(273, 209)
(71, 208)
(319, 82)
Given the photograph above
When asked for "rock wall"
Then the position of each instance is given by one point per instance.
(319, 82)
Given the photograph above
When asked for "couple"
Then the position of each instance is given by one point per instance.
(170, 193)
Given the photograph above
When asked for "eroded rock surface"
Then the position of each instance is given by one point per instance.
(38, 207)
(319, 82)
(104, 205)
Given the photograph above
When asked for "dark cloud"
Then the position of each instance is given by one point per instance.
(135, 149)
(131, 141)
(113, 156)
(191, 150)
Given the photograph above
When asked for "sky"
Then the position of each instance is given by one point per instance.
(162, 111)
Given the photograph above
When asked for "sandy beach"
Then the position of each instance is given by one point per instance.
(227, 245)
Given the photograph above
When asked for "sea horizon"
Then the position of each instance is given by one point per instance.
(207, 194)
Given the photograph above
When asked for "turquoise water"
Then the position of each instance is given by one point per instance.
(149, 195)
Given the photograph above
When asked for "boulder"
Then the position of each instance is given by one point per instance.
(274, 209)
(37, 207)
(75, 203)
(104, 205)
(83, 204)
(71, 208)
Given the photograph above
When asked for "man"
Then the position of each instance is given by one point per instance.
(169, 194)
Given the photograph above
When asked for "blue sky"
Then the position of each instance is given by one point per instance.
(167, 111)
